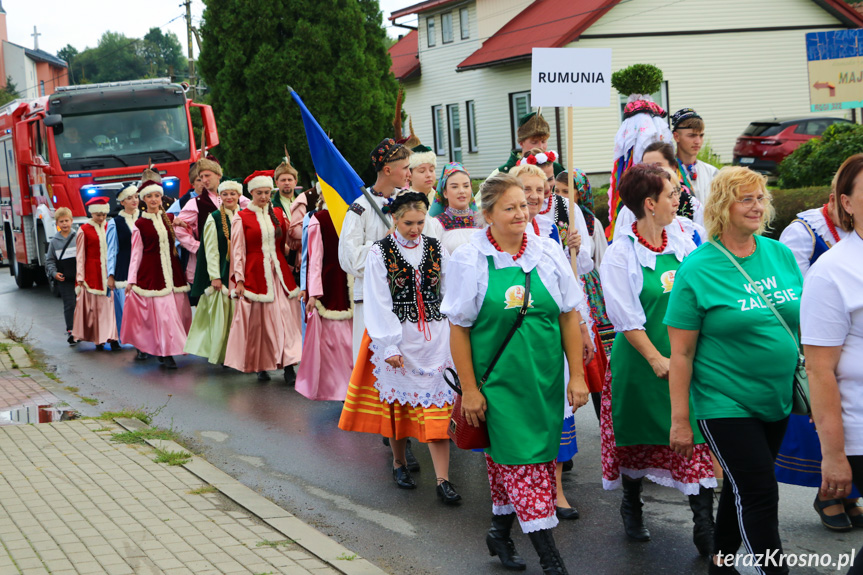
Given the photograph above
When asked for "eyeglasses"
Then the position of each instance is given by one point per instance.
(749, 201)
(675, 193)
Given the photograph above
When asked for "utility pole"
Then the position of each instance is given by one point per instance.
(192, 80)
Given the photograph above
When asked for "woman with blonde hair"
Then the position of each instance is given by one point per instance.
(733, 359)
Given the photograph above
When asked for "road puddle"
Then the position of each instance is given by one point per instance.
(36, 414)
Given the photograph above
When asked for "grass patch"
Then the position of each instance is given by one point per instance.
(61, 404)
(172, 457)
(274, 544)
(12, 328)
(71, 389)
(138, 413)
(90, 400)
(140, 436)
(4, 347)
(203, 490)
(103, 429)
(347, 556)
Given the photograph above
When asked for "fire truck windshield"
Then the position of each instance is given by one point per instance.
(122, 138)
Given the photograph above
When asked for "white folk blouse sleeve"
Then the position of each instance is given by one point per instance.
(584, 260)
(238, 250)
(383, 326)
(800, 242)
(620, 274)
(571, 294)
(135, 256)
(211, 249)
(465, 284)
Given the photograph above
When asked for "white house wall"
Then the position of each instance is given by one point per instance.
(493, 14)
(21, 69)
(730, 78)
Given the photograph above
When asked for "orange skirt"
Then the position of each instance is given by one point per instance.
(594, 372)
(365, 412)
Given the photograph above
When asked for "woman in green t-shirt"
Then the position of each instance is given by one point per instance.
(733, 359)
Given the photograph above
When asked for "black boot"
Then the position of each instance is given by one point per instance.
(630, 510)
(500, 543)
(702, 517)
(549, 557)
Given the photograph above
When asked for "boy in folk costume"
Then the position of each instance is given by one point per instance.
(688, 130)
(533, 132)
(265, 333)
(118, 236)
(94, 310)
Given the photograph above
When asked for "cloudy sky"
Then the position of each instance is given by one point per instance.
(81, 22)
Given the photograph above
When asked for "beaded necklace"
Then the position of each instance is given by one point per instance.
(646, 244)
(830, 225)
(550, 204)
(535, 226)
(498, 248)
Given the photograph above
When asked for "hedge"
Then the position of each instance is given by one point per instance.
(787, 203)
(815, 161)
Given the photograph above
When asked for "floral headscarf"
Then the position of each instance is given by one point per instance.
(582, 188)
(440, 203)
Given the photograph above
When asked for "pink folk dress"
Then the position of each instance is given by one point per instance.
(327, 357)
(156, 321)
(266, 333)
(94, 309)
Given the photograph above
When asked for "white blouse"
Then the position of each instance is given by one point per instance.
(800, 241)
(584, 260)
(625, 219)
(622, 279)
(467, 276)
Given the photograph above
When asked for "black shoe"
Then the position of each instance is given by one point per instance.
(160, 358)
(500, 543)
(549, 556)
(386, 441)
(70, 339)
(840, 522)
(447, 494)
(630, 511)
(568, 465)
(565, 513)
(263, 376)
(170, 363)
(403, 478)
(100, 346)
(412, 463)
(140, 355)
(702, 518)
(290, 375)
(856, 520)
(115, 345)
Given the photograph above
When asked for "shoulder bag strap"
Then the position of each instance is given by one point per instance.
(518, 321)
(66, 245)
(722, 249)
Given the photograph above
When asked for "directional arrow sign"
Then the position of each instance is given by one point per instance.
(825, 86)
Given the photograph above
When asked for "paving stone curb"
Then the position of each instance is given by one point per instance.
(292, 528)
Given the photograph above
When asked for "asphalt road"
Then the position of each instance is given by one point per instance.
(290, 450)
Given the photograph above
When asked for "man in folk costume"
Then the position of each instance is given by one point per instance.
(265, 333)
(94, 311)
(194, 215)
(118, 236)
(533, 132)
(688, 130)
(285, 179)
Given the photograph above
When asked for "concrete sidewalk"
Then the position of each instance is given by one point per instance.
(72, 501)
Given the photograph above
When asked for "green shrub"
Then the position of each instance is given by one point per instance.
(637, 79)
(815, 162)
(707, 155)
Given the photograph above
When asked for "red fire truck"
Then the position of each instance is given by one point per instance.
(87, 141)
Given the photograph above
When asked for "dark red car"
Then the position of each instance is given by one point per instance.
(765, 143)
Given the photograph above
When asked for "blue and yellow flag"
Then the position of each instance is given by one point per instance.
(340, 184)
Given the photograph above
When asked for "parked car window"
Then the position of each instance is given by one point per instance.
(756, 129)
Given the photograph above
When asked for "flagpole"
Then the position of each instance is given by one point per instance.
(376, 207)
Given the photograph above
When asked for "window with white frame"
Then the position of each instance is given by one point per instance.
(519, 105)
(660, 97)
(438, 130)
(470, 106)
(446, 27)
(454, 126)
(430, 33)
(464, 22)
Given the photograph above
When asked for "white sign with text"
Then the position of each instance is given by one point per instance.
(571, 77)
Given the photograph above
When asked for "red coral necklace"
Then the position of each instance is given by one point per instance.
(830, 225)
(498, 248)
(646, 244)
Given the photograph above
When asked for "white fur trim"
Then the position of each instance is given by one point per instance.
(338, 315)
(165, 259)
(120, 285)
(260, 182)
(99, 209)
(130, 219)
(271, 259)
(231, 185)
(211, 291)
(77, 290)
(127, 191)
(142, 193)
(103, 258)
(420, 158)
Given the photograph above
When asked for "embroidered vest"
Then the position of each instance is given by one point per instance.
(202, 276)
(261, 247)
(95, 259)
(159, 262)
(402, 280)
(124, 247)
(333, 277)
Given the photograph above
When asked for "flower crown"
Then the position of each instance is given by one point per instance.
(539, 159)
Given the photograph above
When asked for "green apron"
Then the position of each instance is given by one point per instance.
(640, 401)
(523, 392)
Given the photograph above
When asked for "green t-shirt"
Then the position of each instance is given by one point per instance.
(744, 361)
